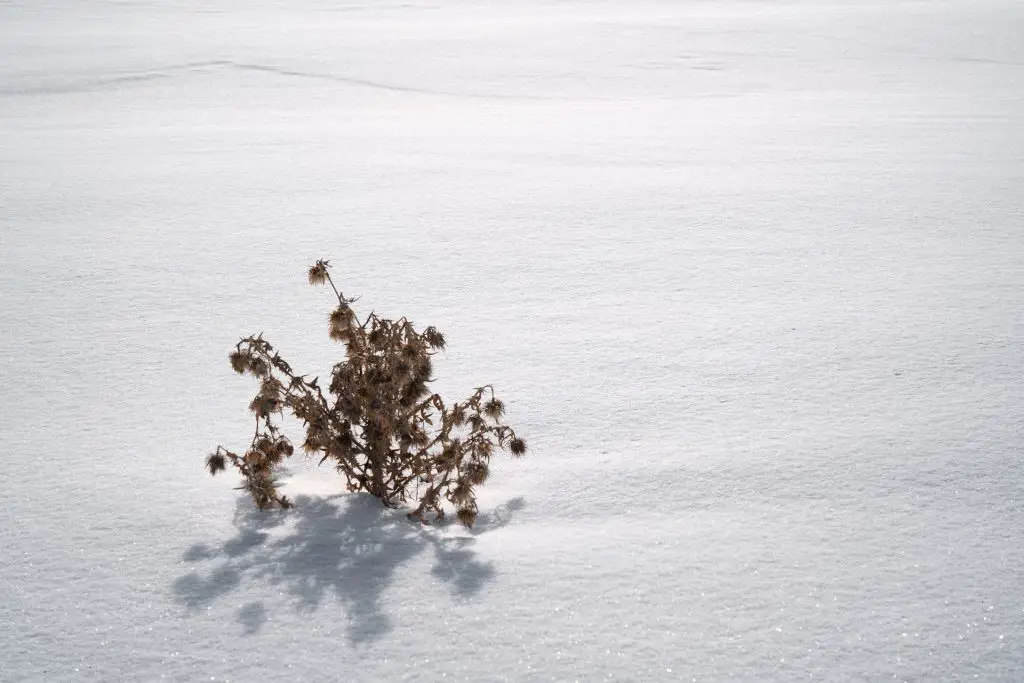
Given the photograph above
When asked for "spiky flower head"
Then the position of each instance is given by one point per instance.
(263, 406)
(239, 361)
(271, 388)
(341, 322)
(462, 495)
(403, 367)
(318, 272)
(477, 472)
(494, 408)
(517, 447)
(466, 516)
(376, 337)
(216, 463)
(411, 352)
(447, 458)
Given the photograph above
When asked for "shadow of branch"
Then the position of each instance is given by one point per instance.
(347, 546)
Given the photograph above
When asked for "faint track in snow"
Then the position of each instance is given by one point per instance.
(349, 80)
(103, 83)
(178, 70)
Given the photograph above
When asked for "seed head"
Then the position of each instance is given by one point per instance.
(263, 406)
(462, 495)
(340, 323)
(376, 336)
(477, 472)
(239, 361)
(517, 447)
(414, 391)
(466, 516)
(318, 272)
(494, 409)
(447, 459)
(216, 463)
(271, 389)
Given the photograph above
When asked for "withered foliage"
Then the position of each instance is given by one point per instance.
(378, 423)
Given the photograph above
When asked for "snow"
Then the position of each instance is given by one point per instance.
(748, 275)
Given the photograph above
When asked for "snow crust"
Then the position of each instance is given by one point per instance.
(749, 276)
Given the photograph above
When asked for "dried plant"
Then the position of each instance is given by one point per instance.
(378, 423)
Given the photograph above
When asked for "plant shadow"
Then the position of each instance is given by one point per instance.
(347, 547)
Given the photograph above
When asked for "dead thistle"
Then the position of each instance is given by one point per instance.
(378, 423)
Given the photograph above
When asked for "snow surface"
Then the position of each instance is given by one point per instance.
(748, 274)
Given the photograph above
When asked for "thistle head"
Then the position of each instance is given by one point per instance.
(376, 337)
(494, 409)
(271, 388)
(340, 322)
(466, 516)
(239, 361)
(517, 447)
(263, 406)
(411, 352)
(477, 473)
(216, 463)
(318, 272)
(462, 495)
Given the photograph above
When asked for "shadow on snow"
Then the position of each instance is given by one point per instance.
(348, 546)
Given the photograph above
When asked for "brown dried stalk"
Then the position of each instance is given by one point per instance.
(379, 424)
